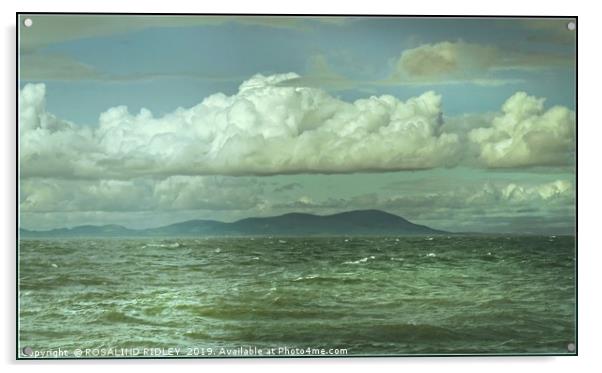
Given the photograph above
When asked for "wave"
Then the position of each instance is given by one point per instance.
(170, 245)
(359, 261)
(308, 277)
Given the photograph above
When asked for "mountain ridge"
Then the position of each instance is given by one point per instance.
(354, 222)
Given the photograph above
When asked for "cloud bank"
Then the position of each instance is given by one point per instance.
(492, 207)
(264, 129)
(171, 193)
(268, 129)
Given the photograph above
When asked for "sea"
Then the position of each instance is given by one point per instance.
(296, 296)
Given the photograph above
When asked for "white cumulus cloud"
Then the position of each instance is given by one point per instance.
(261, 130)
(525, 134)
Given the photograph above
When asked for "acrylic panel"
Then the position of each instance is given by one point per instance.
(217, 186)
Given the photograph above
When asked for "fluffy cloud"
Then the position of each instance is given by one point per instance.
(444, 58)
(462, 61)
(264, 129)
(268, 129)
(515, 194)
(50, 146)
(525, 134)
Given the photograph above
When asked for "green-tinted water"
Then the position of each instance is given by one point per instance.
(380, 296)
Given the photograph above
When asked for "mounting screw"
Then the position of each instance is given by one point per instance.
(571, 26)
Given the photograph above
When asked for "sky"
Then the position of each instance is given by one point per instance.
(461, 124)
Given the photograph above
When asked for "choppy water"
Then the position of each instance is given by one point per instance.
(377, 296)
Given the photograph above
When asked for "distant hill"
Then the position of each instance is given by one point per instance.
(357, 223)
